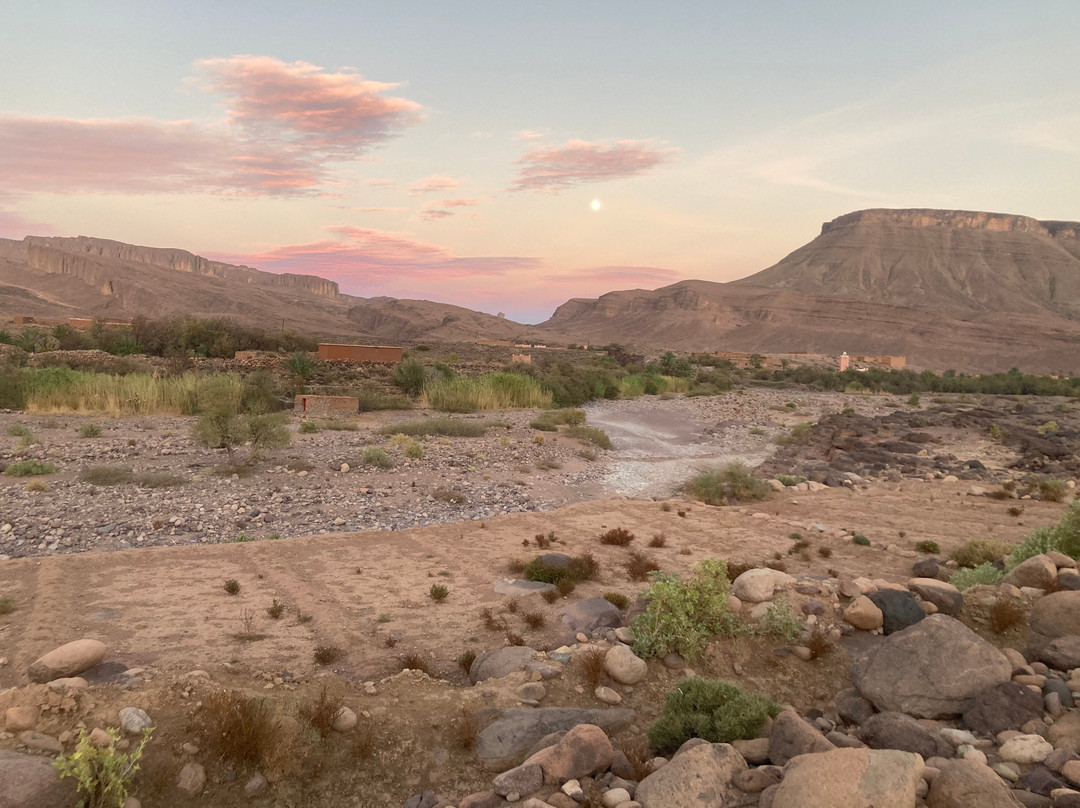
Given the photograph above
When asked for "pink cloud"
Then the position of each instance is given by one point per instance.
(340, 114)
(372, 262)
(286, 123)
(15, 226)
(372, 209)
(436, 182)
(436, 214)
(381, 183)
(578, 161)
(458, 203)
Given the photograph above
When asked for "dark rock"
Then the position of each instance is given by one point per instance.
(1041, 780)
(498, 663)
(1053, 685)
(852, 707)
(1008, 705)
(1055, 621)
(898, 731)
(927, 568)
(556, 560)
(1068, 581)
(792, 736)
(899, 609)
(27, 781)
(590, 614)
(511, 735)
(425, 800)
(1030, 800)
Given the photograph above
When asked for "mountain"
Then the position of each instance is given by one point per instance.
(962, 262)
(92, 277)
(947, 289)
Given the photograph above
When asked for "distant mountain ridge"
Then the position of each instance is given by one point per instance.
(968, 290)
(963, 262)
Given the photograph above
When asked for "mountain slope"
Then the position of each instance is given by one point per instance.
(962, 262)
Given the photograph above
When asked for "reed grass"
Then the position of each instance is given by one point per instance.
(59, 390)
(494, 391)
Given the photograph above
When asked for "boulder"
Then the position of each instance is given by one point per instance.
(792, 736)
(590, 614)
(344, 719)
(67, 660)
(863, 613)
(624, 666)
(933, 669)
(696, 777)
(1065, 732)
(27, 781)
(852, 708)
(962, 783)
(893, 730)
(898, 609)
(852, 778)
(1054, 619)
(927, 568)
(1038, 572)
(1004, 706)
(582, 751)
(500, 662)
(945, 596)
(512, 734)
(133, 720)
(523, 779)
(1026, 749)
(759, 585)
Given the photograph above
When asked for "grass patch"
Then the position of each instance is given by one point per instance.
(617, 599)
(978, 552)
(551, 420)
(372, 400)
(493, 391)
(716, 711)
(374, 456)
(29, 468)
(328, 654)
(338, 425)
(1064, 537)
(547, 464)
(1005, 614)
(658, 540)
(413, 661)
(7, 604)
(308, 428)
(446, 427)
(158, 479)
(590, 434)
(983, 575)
(438, 592)
(232, 586)
(534, 619)
(450, 496)
(779, 623)
(107, 475)
(90, 431)
(239, 730)
(582, 568)
(1053, 490)
(592, 665)
(733, 482)
(928, 547)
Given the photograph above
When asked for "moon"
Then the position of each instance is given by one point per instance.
(595, 204)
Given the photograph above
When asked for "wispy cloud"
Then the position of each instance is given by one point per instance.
(1058, 133)
(436, 214)
(457, 203)
(436, 182)
(529, 134)
(286, 122)
(577, 162)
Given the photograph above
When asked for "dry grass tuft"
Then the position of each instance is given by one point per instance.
(534, 619)
(639, 756)
(465, 730)
(592, 665)
(240, 730)
(1005, 614)
(658, 540)
(414, 661)
(819, 644)
(328, 654)
(617, 537)
(319, 714)
(639, 566)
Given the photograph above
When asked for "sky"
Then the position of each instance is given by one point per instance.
(506, 156)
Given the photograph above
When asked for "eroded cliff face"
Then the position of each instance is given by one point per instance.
(954, 219)
(75, 257)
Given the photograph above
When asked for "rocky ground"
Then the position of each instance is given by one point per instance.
(917, 687)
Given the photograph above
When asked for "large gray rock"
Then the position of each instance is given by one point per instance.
(697, 777)
(67, 660)
(590, 614)
(963, 783)
(32, 782)
(899, 731)
(506, 740)
(792, 736)
(500, 662)
(1054, 627)
(1008, 705)
(850, 778)
(948, 599)
(933, 669)
(759, 585)
(1038, 572)
(898, 609)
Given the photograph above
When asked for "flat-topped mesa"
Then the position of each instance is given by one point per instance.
(956, 219)
(61, 255)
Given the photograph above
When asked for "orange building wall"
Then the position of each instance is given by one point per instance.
(359, 353)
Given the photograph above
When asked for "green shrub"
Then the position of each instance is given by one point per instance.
(438, 592)
(979, 551)
(1053, 490)
(413, 450)
(308, 427)
(800, 433)
(861, 540)
(158, 479)
(928, 547)
(102, 774)
(493, 391)
(107, 475)
(410, 377)
(448, 427)
(20, 431)
(710, 709)
(1064, 537)
(374, 456)
(617, 599)
(301, 366)
(90, 431)
(582, 568)
(684, 614)
(734, 481)
(7, 604)
(590, 434)
(29, 468)
(983, 574)
(371, 400)
(779, 623)
(790, 479)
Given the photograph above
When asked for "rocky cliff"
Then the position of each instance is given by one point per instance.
(69, 256)
(961, 262)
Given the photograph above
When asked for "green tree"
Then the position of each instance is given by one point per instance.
(301, 366)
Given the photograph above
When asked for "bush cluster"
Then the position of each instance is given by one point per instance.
(684, 614)
(710, 709)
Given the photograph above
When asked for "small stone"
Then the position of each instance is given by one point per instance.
(100, 738)
(344, 468)
(344, 720)
(133, 720)
(615, 797)
(624, 666)
(607, 695)
(863, 613)
(40, 742)
(256, 785)
(18, 719)
(1026, 749)
(192, 779)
